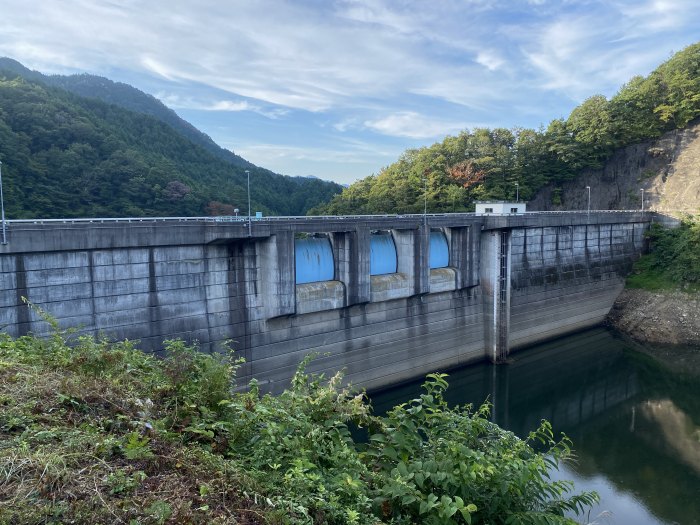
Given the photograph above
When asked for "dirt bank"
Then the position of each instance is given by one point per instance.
(658, 317)
(666, 323)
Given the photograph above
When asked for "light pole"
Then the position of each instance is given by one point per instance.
(589, 199)
(250, 226)
(517, 192)
(2, 209)
(642, 190)
(425, 195)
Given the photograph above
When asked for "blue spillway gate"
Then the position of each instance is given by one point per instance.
(382, 258)
(314, 260)
(439, 252)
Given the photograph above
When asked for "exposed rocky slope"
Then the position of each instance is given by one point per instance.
(668, 169)
(658, 317)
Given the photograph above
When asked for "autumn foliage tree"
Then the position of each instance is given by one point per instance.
(466, 174)
(216, 208)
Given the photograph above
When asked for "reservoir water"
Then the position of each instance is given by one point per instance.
(634, 422)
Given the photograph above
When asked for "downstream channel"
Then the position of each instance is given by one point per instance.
(635, 423)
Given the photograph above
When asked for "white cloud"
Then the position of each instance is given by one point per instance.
(356, 66)
(413, 125)
(348, 124)
(178, 102)
(490, 59)
(600, 48)
(344, 53)
(285, 54)
(160, 69)
(379, 13)
(641, 18)
(274, 152)
(230, 105)
(344, 164)
(344, 151)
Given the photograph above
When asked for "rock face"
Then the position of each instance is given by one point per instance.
(658, 317)
(668, 169)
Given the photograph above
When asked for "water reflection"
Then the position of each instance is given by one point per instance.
(679, 433)
(634, 423)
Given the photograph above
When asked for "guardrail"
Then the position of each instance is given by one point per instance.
(310, 218)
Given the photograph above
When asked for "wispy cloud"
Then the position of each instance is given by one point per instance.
(413, 125)
(350, 159)
(641, 18)
(396, 72)
(178, 102)
(274, 152)
(596, 49)
(490, 59)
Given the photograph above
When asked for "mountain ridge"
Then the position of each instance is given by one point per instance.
(127, 97)
(65, 155)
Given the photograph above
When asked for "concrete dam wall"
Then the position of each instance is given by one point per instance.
(400, 296)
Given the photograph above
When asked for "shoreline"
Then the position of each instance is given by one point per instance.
(665, 323)
(662, 317)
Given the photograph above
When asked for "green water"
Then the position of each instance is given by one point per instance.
(634, 423)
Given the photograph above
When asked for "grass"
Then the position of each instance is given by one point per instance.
(646, 276)
(83, 440)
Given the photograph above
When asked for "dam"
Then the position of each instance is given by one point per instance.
(385, 298)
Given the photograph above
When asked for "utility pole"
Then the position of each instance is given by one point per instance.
(250, 225)
(517, 192)
(2, 209)
(642, 190)
(589, 200)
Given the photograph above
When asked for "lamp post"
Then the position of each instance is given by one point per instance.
(250, 226)
(2, 209)
(642, 190)
(517, 192)
(425, 203)
(589, 200)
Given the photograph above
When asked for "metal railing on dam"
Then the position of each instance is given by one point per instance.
(309, 218)
(504, 282)
(26, 235)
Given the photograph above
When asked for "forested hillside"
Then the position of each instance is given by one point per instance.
(68, 156)
(487, 163)
(127, 97)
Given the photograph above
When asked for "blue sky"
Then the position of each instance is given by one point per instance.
(340, 88)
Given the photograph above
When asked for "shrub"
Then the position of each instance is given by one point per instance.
(98, 432)
(673, 260)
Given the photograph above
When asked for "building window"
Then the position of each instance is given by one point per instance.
(514, 210)
(488, 210)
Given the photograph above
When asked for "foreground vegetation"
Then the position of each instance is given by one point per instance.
(487, 163)
(673, 261)
(94, 432)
